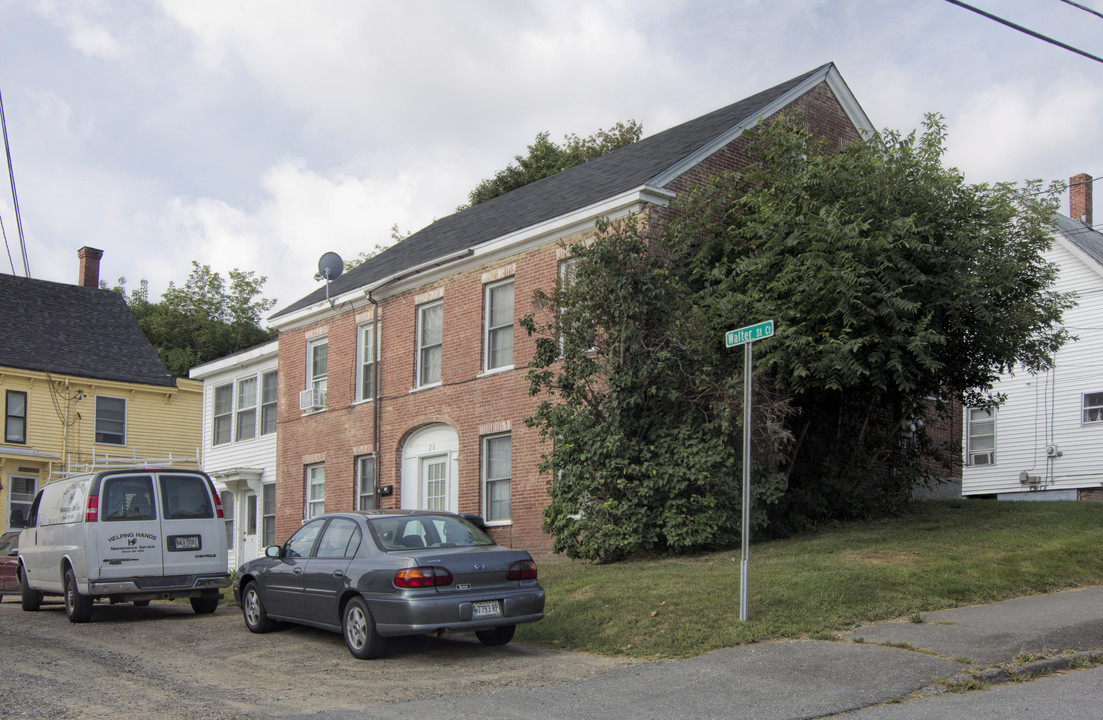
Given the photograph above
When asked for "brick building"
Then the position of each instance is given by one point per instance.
(402, 383)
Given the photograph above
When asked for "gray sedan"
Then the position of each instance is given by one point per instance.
(374, 574)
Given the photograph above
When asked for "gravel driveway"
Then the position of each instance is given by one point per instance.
(166, 661)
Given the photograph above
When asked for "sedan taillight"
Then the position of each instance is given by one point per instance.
(422, 577)
(522, 570)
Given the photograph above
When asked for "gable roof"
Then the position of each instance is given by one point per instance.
(657, 157)
(74, 330)
(1086, 240)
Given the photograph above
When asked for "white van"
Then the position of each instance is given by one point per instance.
(124, 535)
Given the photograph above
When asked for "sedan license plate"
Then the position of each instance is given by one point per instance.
(486, 608)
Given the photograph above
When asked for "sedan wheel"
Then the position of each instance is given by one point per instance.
(252, 608)
(496, 636)
(358, 627)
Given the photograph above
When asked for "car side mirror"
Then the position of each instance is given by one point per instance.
(14, 552)
(273, 551)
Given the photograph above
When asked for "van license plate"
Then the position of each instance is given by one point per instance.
(185, 542)
(488, 608)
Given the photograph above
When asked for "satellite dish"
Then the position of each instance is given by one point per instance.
(330, 266)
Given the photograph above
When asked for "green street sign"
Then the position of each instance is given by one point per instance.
(750, 333)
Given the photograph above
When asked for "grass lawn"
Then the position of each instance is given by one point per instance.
(939, 555)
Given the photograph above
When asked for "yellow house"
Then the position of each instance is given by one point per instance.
(82, 387)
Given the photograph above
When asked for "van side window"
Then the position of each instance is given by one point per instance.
(185, 496)
(129, 497)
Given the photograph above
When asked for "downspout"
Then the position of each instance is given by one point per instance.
(376, 400)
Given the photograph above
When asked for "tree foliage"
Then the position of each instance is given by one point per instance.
(546, 158)
(203, 320)
(891, 282)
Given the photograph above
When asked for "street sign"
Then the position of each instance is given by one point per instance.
(750, 333)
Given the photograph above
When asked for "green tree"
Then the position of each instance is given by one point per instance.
(203, 320)
(546, 158)
(891, 281)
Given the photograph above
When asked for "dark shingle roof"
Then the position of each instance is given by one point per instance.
(620, 171)
(74, 330)
(1088, 240)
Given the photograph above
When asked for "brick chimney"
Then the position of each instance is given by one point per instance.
(1080, 198)
(89, 274)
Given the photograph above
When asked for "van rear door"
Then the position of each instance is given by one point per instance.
(195, 538)
(130, 537)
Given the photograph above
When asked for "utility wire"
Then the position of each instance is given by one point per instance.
(1026, 30)
(1083, 7)
(14, 195)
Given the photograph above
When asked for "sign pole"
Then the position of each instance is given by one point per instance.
(746, 337)
(746, 554)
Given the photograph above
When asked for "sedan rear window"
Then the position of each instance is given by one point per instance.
(406, 532)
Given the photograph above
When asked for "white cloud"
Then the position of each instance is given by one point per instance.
(80, 21)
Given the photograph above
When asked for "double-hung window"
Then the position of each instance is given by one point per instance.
(982, 436)
(497, 454)
(110, 420)
(268, 403)
(430, 331)
(498, 324)
(365, 482)
(223, 414)
(315, 490)
(365, 362)
(246, 409)
(15, 416)
(268, 514)
(1093, 408)
(317, 361)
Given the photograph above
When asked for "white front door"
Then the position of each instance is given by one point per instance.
(249, 544)
(434, 482)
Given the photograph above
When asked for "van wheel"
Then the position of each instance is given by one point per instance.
(252, 609)
(204, 605)
(78, 607)
(358, 627)
(32, 599)
(496, 636)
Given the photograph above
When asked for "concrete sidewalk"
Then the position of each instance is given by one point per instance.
(811, 679)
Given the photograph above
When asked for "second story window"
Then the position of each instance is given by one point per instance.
(317, 361)
(365, 361)
(498, 321)
(15, 417)
(223, 414)
(110, 420)
(246, 427)
(1093, 408)
(430, 331)
(268, 403)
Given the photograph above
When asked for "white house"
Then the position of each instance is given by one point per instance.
(1046, 441)
(239, 444)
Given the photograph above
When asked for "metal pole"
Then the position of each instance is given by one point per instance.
(746, 482)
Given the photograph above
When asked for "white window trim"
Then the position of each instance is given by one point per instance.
(313, 382)
(421, 309)
(215, 415)
(1084, 408)
(239, 409)
(96, 420)
(969, 438)
(487, 329)
(362, 330)
(484, 443)
(261, 405)
(369, 461)
(307, 477)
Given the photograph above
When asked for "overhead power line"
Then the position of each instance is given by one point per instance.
(14, 195)
(1026, 30)
(1085, 8)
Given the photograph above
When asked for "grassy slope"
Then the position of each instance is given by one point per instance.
(940, 555)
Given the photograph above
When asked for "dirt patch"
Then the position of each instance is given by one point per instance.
(165, 661)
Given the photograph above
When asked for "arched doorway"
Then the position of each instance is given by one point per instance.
(430, 466)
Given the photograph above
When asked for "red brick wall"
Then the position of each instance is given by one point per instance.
(464, 400)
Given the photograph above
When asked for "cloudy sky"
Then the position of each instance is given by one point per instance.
(258, 134)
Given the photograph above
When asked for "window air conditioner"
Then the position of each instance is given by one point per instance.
(311, 398)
